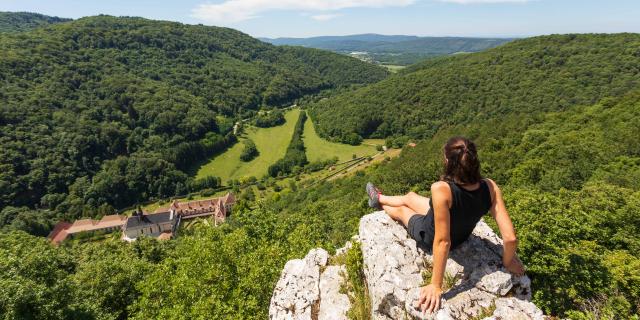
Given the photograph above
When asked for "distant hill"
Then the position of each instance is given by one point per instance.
(528, 76)
(24, 21)
(393, 49)
(117, 108)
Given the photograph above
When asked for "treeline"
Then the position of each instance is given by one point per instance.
(526, 77)
(186, 154)
(25, 21)
(295, 157)
(105, 112)
(269, 119)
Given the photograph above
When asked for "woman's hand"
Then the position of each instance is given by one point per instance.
(515, 266)
(429, 298)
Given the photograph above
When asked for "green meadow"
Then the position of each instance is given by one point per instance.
(321, 149)
(271, 143)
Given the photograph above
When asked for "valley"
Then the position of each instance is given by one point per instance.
(272, 144)
(103, 115)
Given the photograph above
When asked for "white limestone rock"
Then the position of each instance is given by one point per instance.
(393, 266)
(516, 309)
(297, 293)
(333, 304)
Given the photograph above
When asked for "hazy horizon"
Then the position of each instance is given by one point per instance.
(424, 18)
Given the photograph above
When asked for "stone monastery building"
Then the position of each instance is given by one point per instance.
(162, 224)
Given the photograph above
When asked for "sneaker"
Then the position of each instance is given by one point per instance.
(373, 194)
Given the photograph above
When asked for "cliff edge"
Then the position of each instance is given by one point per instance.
(476, 284)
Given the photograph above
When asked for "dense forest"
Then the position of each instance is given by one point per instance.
(105, 112)
(99, 112)
(25, 21)
(523, 77)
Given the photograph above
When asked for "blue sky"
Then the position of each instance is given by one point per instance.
(302, 18)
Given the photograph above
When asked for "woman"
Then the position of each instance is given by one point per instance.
(446, 220)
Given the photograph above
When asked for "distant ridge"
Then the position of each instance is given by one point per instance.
(393, 49)
(25, 21)
(366, 37)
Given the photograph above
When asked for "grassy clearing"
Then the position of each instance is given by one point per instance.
(271, 143)
(393, 68)
(321, 149)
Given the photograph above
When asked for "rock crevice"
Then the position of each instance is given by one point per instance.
(393, 269)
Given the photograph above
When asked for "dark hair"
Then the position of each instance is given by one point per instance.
(462, 165)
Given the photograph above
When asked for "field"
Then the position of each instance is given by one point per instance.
(321, 149)
(393, 68)
(271, 143)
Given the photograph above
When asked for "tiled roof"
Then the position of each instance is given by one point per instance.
(165, 236)
(90, 225)
(136, 221)
(63, 229)
(59, 233)
(111, 221)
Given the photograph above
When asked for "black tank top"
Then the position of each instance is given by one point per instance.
(467, 207)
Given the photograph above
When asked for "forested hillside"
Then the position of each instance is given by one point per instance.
(525, 77)
(106, 112)
(24, 21)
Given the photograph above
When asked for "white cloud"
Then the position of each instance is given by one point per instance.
(231, 11)
(325, 17)
(484, 1)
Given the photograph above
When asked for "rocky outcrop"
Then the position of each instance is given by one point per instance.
(478, 285)
(297, 293)
(333, 303)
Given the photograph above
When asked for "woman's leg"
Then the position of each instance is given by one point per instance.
(411, 200)
(401, 213)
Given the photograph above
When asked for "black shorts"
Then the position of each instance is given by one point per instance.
(421, 229)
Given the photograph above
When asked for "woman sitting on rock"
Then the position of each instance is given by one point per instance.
(457, 203)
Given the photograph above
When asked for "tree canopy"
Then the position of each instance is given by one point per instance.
(113, 111)
(25, 21)
(524, 77)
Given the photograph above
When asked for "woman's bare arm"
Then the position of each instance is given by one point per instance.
(442, 239)
(430, 295)
(508, 233)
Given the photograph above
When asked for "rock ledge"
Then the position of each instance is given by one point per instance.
(393, 268)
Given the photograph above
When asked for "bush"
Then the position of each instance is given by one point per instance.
(249, 152)
(209, 182)
(269, 119)
(207, 192)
